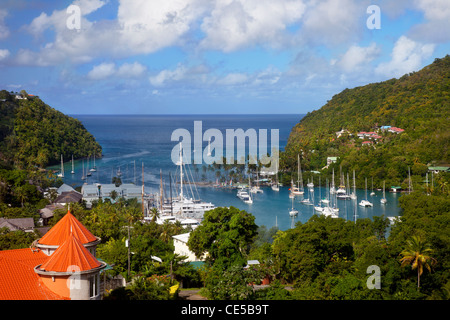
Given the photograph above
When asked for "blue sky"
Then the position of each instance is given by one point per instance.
(211, 56)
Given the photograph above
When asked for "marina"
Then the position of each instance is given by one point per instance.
(146, 141)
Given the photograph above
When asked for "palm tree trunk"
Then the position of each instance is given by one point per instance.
(418, 279)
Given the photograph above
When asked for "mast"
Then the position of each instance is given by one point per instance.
(171, 201)
(73, 171)
(181, 172)
(62, 167)
(160, 191)
(143, 211)
(299, 173)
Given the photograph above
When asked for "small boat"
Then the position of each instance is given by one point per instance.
(298, 190)
(94, 168)
(73, 171)
(329, 212)
(365, 202)
(275, 186)
(372, 193)
(383, 200)
(293, 212)
(61, 174)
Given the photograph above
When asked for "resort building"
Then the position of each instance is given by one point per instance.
(93, 192)
(59, 266)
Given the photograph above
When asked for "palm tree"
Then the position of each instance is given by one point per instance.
(417, 255)
(154, 213)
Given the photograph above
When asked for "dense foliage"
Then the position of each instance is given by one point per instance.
(34, 134)
(418, 102)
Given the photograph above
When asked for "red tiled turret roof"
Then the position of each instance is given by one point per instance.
(67, 225)
(69, 256)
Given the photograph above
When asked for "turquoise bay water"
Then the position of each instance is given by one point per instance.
(128, 141)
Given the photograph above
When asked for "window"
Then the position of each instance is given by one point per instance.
(93, 286)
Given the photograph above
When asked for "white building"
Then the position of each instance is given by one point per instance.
(181, 248)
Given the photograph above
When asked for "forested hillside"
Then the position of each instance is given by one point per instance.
(34, 134)
(418, 102)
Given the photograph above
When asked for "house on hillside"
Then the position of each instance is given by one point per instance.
(23, 224)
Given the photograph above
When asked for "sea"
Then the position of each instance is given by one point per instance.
(141, 148)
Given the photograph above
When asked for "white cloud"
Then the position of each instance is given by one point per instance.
(407, 56)
(102, 71)
(332, 22)
(357, 56)
(232, 79)
(4, 31)
(107, 70)
(4, 53)
(168, 76)
(131, 70)
(437, 25)
(147, 26)
(234, 24)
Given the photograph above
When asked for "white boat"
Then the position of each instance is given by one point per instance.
(306, 201)
(73, 171)
(94, 168)
(383, 200)
(329, 212)
(188, 208)
(298, 190)
(365, 202)
(372, 193)
(353, 195)
(275, 186)
(61, 174)
(318, 209)
(83, 177)
(293, 212)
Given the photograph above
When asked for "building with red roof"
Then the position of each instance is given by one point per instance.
(62, 266)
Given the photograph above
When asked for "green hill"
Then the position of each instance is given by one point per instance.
(418, 102)
(32, 134)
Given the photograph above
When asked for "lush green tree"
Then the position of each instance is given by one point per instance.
(225, 234)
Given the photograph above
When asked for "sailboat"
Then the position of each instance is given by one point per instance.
(275, 186)
(298, 190)
(353, 195)
(307, 201)
(372, 193)
(83, 177)
(383, 200)
(88, 173)
(366, 203)
(293, 212)
(319, 208)
(256, 189)
(94, 168)
(61, 174)
(73, 171)
(188, 208)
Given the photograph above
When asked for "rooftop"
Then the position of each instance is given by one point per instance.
(18, 279)
(71, 253)
(67, 225)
